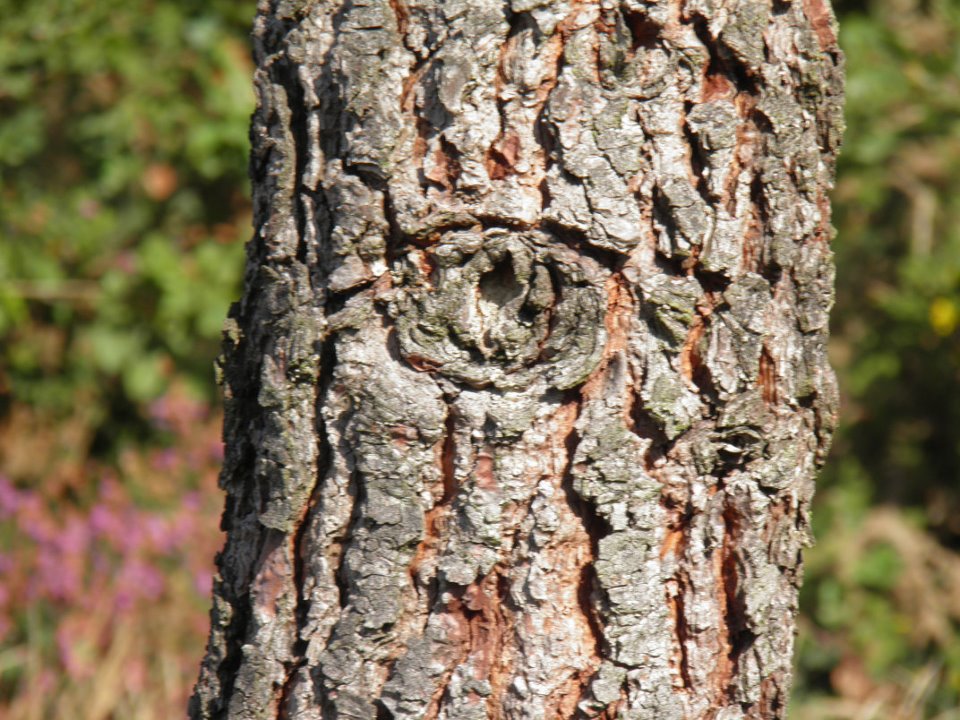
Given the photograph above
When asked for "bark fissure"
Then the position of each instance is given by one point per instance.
(589, 591)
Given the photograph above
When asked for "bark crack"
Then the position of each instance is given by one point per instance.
(590, 594)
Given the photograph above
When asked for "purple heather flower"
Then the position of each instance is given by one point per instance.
(10, 497)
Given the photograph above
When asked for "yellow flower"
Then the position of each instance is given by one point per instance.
(943, 316)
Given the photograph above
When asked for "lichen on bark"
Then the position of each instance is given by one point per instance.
(528, 386)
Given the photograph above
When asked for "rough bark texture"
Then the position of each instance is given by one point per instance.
(528, 386)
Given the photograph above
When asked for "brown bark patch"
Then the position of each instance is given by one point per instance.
(552, 56)
(824, 230)
(723, 672)
(753, 242)
(818, 13)
(728, 601)
(408, 93)
(502, 156)
(420, 143)
(771, 699)
(716, 86)
(481, 609)
(483, 471)
(617, 319)
(434, 520)
(617, 322)
(674, 542)
(681, 660)
(692, 366)
(401, 14)
(422, 364)
(502, 153)
(401, 435)
(644, 33)
(480, 617)
(767, 377)
(563, 703)
(274, 576)
(690, 360)
(446, 167)
(747, 137)
(448, 460)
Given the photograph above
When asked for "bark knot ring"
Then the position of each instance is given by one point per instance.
(501, 308)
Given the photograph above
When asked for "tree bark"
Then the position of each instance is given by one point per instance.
(528, 385)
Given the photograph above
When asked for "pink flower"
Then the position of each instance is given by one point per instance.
(164, 460)
(10, 497)
(34, 521)
(138, 579)
(159, 533)
(203, 583)
(74, 537)
(106, 523)
(56, 579)
(216, 451)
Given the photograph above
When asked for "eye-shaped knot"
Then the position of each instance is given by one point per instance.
(502, 308)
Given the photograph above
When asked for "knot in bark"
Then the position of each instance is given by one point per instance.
(501, 308)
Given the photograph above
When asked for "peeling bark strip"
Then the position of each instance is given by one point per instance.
(528, 386)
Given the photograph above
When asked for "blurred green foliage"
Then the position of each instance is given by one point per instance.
(123, 212)
(897, 210)
(124, 201)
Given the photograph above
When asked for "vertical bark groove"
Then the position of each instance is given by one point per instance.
(528, 386)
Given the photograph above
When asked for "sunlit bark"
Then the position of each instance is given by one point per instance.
(528, 386)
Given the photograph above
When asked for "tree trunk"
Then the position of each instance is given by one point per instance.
(528, 386)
